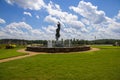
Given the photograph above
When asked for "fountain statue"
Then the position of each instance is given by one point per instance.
(58, 31)
(57, 35)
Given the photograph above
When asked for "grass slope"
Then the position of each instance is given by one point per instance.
(7, 53)
(99, 65)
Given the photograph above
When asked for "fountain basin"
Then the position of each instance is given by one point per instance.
(58, 49)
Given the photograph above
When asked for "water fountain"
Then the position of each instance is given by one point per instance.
(57, 46)
(49, 44)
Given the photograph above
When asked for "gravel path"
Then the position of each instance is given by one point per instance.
(29, 53)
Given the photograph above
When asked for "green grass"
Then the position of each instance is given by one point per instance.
(98, 65)
(7, 53)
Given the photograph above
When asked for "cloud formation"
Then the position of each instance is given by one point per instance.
(27, 13)
(86, 24)
(117, 17)
(2, 21)
(87, 10)
(26, 4)
(96, 22)
(20, 30)
(56, 14)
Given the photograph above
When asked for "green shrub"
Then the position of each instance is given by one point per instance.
(10, 46)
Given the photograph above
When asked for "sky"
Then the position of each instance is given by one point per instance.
(80, 19)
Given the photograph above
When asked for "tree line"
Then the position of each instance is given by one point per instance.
(72, 41)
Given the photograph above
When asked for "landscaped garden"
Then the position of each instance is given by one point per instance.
(98, 65)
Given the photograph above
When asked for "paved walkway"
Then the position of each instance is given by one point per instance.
(29, 53)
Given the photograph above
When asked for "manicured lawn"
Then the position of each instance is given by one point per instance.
(99, 65)
(7, 53)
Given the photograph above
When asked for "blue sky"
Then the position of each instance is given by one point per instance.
(82, 19)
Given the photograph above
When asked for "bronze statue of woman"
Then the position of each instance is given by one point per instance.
(58, 31)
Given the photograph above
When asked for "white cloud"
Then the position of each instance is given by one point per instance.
(114, 27)
(20, 30)
(70, 30)
(87, 10)
(75, 24)
(50, 29)
(85, 21)
(38, 17)
(51, 19)
(28, 4)
(53, 6)
(53, 11)
(117, 17)
(107, 30)
(93, 23)
(70, 25)
(19, 25)
(96, 22)
(2, 21)
(56, 14)
(17, 30)
(84, 30)
(27, 13)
